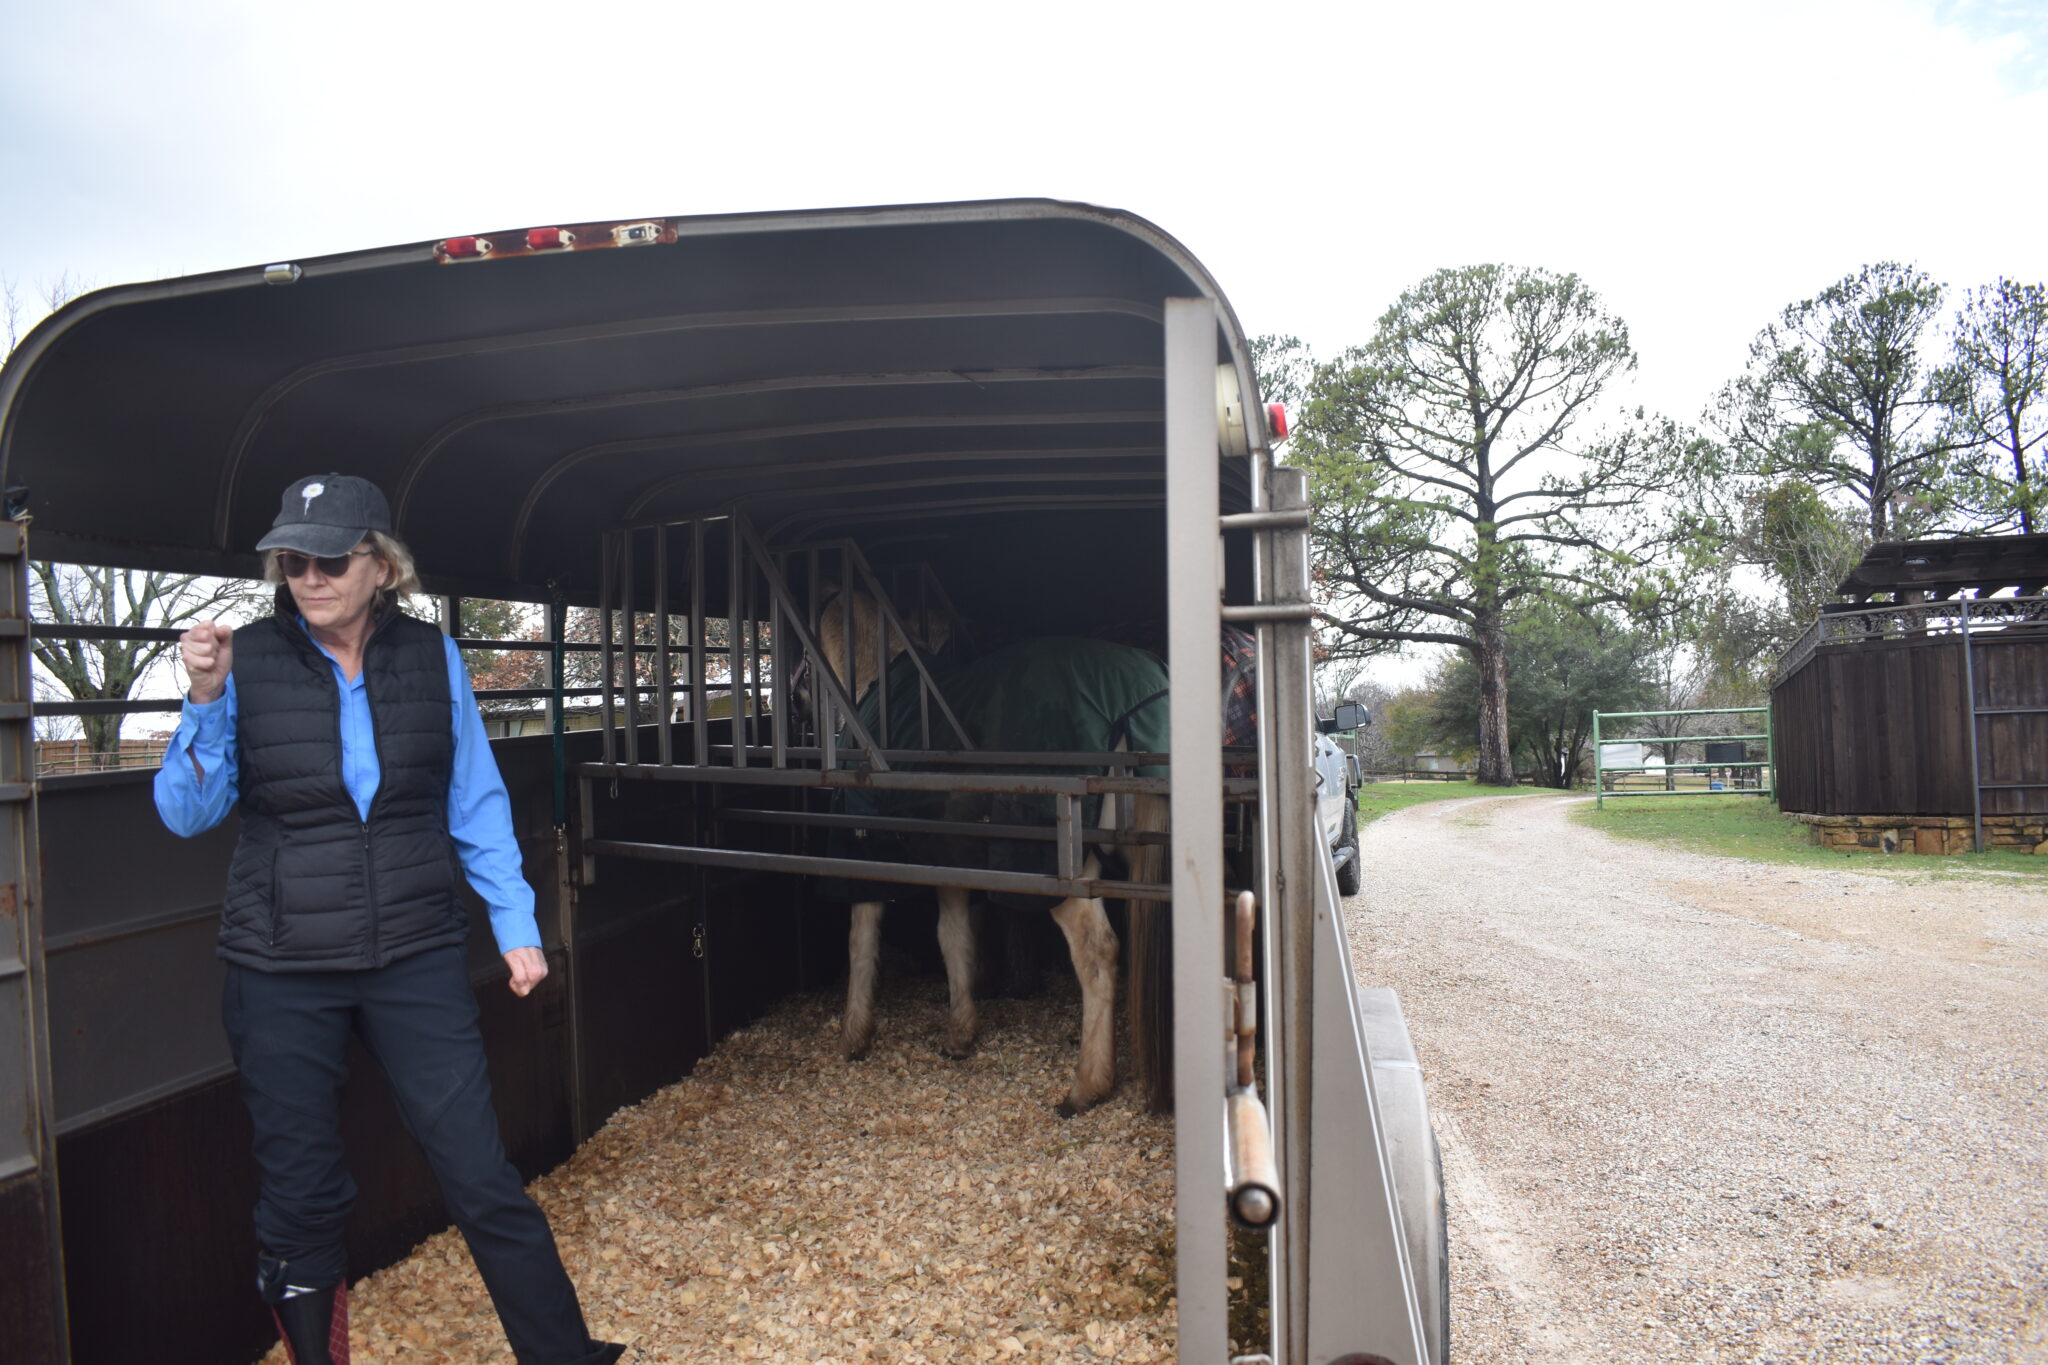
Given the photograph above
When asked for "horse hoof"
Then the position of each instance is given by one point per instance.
(957, 1052)
(1069, 1107)
(856, 1049)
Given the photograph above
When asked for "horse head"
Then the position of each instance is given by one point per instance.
(929, 630)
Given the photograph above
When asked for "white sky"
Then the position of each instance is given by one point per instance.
(1701, 166)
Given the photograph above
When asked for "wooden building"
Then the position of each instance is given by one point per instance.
(1914, 713)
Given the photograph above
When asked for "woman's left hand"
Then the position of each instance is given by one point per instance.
(529, 967)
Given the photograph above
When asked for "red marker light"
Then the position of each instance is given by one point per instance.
(463, 248)
(548, 239)
(1276, 420)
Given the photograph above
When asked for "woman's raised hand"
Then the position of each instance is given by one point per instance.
(209, 651)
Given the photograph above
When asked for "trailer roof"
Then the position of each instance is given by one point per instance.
(942, 382)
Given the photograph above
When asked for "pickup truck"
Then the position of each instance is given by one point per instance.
(1337, 785)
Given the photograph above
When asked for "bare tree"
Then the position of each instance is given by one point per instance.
(108, 669)
(10, 313)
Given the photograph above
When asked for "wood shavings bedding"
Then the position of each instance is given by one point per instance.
(783, 1204)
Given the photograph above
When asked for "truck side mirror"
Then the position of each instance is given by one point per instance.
(1350, 716)
(1325, 726)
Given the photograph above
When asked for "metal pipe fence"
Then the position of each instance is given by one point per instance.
(1669, 771)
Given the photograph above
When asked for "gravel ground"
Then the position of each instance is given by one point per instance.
(1700, 1109)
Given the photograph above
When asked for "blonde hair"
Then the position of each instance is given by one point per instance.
(404, 577)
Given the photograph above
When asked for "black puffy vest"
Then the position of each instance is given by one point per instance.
(313, 886)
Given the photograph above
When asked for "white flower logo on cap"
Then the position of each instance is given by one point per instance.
(310, 492)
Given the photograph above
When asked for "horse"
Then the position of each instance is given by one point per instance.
(1059, 694)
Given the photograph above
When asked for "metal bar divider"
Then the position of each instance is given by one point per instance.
(663, 683)
(558, 719)
(750, 613)
(700, 741)
(882, 633)
(854, 565)
(778, 662)
(924, 617)
(609, 713)
(847, 659)
(630, 630)
(734, 655)
(1068, 849)
(824, 717)
(827, 681)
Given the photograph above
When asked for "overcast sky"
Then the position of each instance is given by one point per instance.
(1700, 165)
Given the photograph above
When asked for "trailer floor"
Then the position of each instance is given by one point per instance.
(781, 1204)
(1695, 1108)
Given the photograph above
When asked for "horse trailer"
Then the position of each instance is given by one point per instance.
(1037, 417)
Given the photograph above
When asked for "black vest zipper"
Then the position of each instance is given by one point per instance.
(377, 747)
(373, 909)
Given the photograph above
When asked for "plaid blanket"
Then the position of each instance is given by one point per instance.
(1240, 686)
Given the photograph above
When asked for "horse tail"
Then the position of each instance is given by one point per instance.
(1150, 988)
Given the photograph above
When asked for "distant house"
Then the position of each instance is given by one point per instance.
(1627, 753)
(1431, 761)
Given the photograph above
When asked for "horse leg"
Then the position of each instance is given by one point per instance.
(1150, 961)
(1092, 944)
(864, 944)
(956, 941)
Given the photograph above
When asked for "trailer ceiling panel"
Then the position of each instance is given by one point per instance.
(944, 379)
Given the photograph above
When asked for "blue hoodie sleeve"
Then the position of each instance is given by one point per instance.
(480, 820)
(195, 788)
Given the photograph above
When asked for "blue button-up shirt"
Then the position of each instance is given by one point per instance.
(196, 788)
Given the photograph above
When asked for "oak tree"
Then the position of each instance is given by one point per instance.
(1460, 469)
(1563, 665)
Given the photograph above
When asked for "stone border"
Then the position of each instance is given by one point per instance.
(1926, 833)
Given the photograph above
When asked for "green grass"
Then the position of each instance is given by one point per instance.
(1750, 827)
(1378, 798)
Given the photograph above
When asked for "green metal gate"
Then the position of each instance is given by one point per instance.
(1765, 786)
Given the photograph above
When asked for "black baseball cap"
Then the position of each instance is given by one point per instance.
(328, 514)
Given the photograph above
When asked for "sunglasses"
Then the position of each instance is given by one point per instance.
(295, 564)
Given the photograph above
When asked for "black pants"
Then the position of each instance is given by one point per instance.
(417, 1016)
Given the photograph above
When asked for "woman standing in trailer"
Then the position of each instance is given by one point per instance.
(349, 734)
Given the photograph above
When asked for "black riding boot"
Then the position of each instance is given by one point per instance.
(313, 1322)
(314, 1326)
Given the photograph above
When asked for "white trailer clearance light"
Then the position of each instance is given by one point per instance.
(1231, 437)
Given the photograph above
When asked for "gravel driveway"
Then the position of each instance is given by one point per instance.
(1700, 1109)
